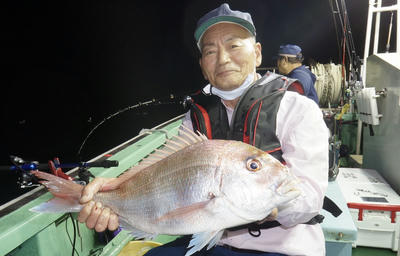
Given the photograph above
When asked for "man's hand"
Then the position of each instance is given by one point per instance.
(93, 213)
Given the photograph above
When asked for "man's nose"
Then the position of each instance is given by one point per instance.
(223, 56)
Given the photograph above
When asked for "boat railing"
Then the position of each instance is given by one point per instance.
(376, 9)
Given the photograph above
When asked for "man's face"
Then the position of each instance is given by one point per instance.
(229, 55)
(282, 65)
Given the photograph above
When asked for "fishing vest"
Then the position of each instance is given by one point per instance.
(253, 122)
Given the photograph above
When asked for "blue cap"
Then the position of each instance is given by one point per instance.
(290, 50)
(220, 15)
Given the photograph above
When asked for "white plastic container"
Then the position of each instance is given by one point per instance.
(374, 206)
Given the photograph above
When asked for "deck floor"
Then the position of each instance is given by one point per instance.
(369, 251)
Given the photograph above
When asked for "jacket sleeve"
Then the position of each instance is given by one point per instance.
(304, 139)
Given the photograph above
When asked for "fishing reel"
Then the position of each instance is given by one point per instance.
(23, 169)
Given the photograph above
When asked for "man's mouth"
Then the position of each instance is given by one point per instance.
(225, 72)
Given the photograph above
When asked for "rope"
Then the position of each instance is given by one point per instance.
(328, 83)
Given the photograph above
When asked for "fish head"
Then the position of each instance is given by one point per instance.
(253, 182)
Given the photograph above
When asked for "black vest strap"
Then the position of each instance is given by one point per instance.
(213, 110)
(255, 229)
(331, 207)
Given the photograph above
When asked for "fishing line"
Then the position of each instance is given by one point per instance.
(334, 12)
(79, 233)
(172, 99)
(74, 236)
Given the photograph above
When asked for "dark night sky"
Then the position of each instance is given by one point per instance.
(69, 64)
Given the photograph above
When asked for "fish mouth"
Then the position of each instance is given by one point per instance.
(287, 185)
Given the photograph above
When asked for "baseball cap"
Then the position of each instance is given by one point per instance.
(223, 14)
(289, 50)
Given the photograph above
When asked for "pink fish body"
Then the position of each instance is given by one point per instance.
(193, 186)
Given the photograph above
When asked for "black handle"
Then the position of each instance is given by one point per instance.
(103, 163)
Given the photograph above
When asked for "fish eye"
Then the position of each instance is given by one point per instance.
(253, 165)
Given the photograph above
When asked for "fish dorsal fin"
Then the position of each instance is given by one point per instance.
(185, 138)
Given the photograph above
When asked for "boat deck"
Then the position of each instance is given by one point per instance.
(369, 251)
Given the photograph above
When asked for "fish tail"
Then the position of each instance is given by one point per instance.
(66, 194)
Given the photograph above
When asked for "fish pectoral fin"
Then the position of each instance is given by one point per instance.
(138, 234)
(184, 212)
(200, 240)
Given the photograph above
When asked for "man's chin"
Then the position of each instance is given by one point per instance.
(228, 85)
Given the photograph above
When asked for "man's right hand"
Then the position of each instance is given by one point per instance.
(93, 213)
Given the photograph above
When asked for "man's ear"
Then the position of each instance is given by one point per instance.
(202, 71)
(258, 49)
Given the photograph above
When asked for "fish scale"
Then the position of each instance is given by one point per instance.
(158, 185)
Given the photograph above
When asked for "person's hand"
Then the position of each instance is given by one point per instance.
(93, 213)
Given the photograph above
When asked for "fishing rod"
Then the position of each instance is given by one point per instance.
(347, 54)
(180, 99)
(389, 33)
(24, 168)
(340, 10)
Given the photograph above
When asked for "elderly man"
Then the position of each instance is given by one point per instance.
(290, 59)
(240, 104)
